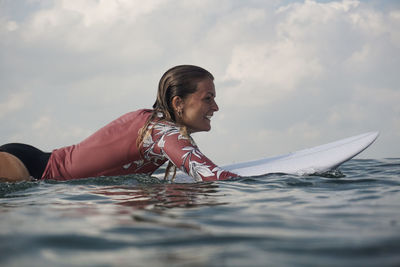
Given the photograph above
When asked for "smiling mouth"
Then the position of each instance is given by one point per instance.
(209, 117)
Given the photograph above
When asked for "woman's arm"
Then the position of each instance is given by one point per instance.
(185, 155)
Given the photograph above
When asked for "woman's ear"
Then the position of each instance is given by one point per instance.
(177, 103)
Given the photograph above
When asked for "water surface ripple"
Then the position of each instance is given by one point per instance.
(346, 218)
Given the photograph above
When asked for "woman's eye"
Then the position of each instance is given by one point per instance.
(209, 98)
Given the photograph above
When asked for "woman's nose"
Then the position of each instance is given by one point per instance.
(215, 106)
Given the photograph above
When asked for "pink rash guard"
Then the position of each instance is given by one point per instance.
(112, 151)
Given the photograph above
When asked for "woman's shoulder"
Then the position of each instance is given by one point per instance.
(141, 112)
(163, 126)
(170, 130)
(136, 115)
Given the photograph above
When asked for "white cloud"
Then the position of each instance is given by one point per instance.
(289, 74)
(105, 11)
(310, 39)
(92, 27)
(49, 133)
(268, 72)
(11, 26)
(41, 124)
(13, 103)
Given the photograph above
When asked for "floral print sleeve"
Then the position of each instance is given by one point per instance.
(167, 141)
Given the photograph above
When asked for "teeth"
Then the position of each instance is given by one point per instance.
(208, 117)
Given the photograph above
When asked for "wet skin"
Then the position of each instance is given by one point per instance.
(199, 107)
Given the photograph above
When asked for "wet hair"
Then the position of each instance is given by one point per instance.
(179, 81)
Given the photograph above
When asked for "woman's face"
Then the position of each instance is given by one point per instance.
(199, 107)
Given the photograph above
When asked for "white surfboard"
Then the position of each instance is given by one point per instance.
(313, 160)
(318, 159)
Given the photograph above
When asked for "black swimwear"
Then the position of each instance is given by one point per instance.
(34, 159)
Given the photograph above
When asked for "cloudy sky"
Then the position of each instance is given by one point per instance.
(289, 74)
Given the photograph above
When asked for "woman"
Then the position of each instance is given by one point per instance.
(137, 142)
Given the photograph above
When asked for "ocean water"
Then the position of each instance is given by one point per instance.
(350, 217)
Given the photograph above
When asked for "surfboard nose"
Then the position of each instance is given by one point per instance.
(373, 135)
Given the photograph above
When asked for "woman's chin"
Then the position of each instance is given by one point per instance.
(204, 128)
